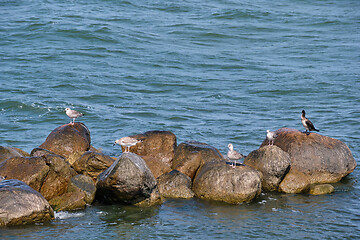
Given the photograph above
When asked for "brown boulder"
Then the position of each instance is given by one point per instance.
(92, 164)
(128, 180)
(175, 185)
(69, 201)
(272, 162)
(30, 170)
(11, 152)
(295, 182)
(319, 189)
(58, 177)
(157, 149)
(191, 155)
(218, 181)
(20, 204)
(321, 158)
(83, 184)
(67, 139)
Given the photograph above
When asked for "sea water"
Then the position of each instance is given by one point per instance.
(213, 71)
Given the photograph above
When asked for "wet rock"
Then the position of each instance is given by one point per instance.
(11, 152)
(58, 177)
(20, 204)
(128, 180)
(191, 155)
(69, 201)
(92, 164)
(83, 184)
(218, 181)
(319, 189)
(322, 159)
(175, 185)
(295, 182)
(40, 152)
(272, 162)
(154, 199)
(30, 170)
(157, 149)
(67, 139)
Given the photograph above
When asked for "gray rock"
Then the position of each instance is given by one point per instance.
(20, 204)
(175, 185)
(128, 180)
(272, 162)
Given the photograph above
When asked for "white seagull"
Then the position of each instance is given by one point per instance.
(270, 136)
(73, 114)
(233, 155)
(308, 125)
(127, 142)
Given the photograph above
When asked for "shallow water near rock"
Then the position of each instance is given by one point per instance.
(217, 72)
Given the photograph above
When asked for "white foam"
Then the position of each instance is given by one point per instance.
(65, 215)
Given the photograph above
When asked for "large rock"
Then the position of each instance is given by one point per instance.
(191, 155)
(175, 185)
(20, 204)
(80, 192)
(31, 170)
(58, 177)
(69, 201)
(11, 152)
(128, 180)
(67, 139)
(272, 162)
(157, 149)
(295, 182)
(83, 184)
(219, 181)
(322, 159)
(92, 164)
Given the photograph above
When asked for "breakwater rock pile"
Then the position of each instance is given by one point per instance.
(67, 173)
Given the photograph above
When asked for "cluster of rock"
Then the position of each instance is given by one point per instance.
(67, 173)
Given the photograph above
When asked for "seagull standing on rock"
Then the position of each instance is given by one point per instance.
(127, 142)
(308, 125)
(270, 136)
(233, 155)
(73, 114)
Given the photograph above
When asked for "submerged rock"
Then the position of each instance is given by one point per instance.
(218, 181)
(322, 159)
(319, 189)
(157, 148)
(175, 185)
(92, 164)
(128, 180)
(67, 139)
(191, 155)
(272, 162)
(20, 204)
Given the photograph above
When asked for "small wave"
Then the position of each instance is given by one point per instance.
(66, 215)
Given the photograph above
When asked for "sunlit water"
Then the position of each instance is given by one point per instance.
(211, 71)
